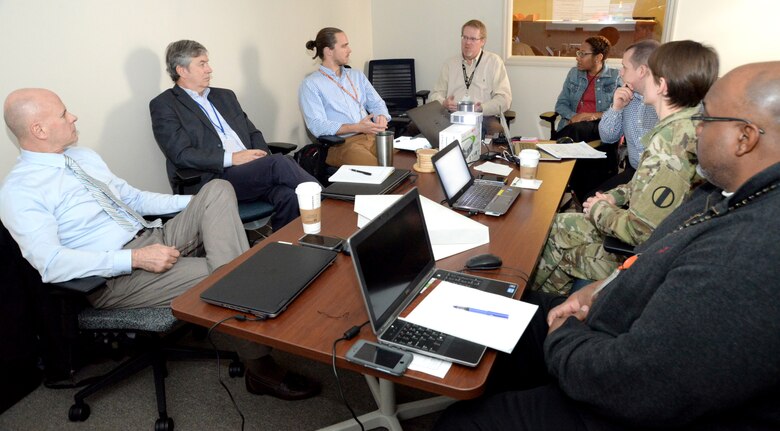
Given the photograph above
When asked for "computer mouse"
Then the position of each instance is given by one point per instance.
(484, 261)
(565, 140)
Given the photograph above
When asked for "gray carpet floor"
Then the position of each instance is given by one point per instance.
(196, 401)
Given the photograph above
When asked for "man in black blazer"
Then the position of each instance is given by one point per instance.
(206, 129)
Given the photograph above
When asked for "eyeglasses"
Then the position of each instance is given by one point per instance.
(701, 117)
(470, 39)
(581, 54)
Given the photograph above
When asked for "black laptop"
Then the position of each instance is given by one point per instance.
(431, 119)
(267, 282)
(347, 191)
(394, 261)
(464, 192)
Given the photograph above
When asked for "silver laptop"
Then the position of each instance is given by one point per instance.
(515, 147)
(464, 192)
(431, 119)
(394, 262)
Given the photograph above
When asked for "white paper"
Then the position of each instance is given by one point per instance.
(361, 174)
(494, 168)
(437, 312)
(428, 365)
(450, 233)
(577, 150)
(409, 143)
(526, 184)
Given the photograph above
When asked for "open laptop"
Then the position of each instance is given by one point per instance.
(347, 191)
(267, 282)
(394, 262)
(463, 191)
(515, 146)
(431, 119)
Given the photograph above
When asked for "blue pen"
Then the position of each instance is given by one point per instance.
(485, 312)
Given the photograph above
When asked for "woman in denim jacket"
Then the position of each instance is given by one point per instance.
(577, 105)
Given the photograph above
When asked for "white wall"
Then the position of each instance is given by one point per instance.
(741, 31)
(105, 60)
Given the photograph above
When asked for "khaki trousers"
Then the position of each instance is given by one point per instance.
(357, 149)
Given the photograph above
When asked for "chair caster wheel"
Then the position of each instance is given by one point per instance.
(236, 369)
(163, 424)
(78, 412)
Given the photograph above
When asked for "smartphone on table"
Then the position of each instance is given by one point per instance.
(382, 358)
(321, 241)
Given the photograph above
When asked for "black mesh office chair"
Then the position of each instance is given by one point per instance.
(65, 325)
(395, 82)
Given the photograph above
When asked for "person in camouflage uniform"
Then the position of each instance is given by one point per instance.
(681, 74)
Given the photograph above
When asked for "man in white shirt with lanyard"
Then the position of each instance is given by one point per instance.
(475, 73)
(336, 100)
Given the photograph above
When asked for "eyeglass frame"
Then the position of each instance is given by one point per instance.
(580, 53)
(708, 119)
(465, 38)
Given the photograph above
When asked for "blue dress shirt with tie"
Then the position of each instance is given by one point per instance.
(60, 227)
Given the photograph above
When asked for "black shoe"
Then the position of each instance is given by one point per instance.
(291, 386)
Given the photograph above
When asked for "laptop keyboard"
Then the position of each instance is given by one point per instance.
(419, 337)
(479, 195)
(461, 279)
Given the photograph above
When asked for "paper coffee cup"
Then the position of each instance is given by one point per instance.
(309, 204)
(529, 163)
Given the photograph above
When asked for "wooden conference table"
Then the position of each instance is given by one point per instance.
(333, 303)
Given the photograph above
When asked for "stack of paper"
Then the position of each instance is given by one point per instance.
(450, 233)
(474, 315)
(361, 174)
(577, 150)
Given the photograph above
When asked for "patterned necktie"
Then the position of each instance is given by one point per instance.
(108, 201)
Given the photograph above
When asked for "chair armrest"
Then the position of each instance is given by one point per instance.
(616, 246)
(510, 116)
(84, 286)
(281, 147)
(186, 177)
(330, 140)
(423, 94)
(549, 116)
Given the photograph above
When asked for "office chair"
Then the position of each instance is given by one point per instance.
(254, 214)
(394, 80)
(65, 323)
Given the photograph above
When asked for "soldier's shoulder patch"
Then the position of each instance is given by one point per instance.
(663, 197)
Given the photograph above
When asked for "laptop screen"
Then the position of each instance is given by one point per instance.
(392, 254)
(452, 169)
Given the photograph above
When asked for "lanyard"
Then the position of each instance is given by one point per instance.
(353, 96)
(469, 80)
(218, 123)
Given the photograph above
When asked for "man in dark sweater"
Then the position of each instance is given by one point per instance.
(687, 336)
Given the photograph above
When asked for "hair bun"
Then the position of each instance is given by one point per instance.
(311, 44)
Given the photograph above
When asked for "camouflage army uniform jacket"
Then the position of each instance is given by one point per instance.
(666, 171)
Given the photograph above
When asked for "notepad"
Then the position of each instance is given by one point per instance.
(576, 150)
(361, 174)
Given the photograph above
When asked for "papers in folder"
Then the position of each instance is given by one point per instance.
(361, 174)
(577, 150)
(450, 233)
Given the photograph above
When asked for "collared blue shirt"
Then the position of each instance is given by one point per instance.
(61, 229)
(230, 140)
(326, 107)
(633, 121)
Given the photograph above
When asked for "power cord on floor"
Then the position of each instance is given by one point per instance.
(350, 334)
(240, 318)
